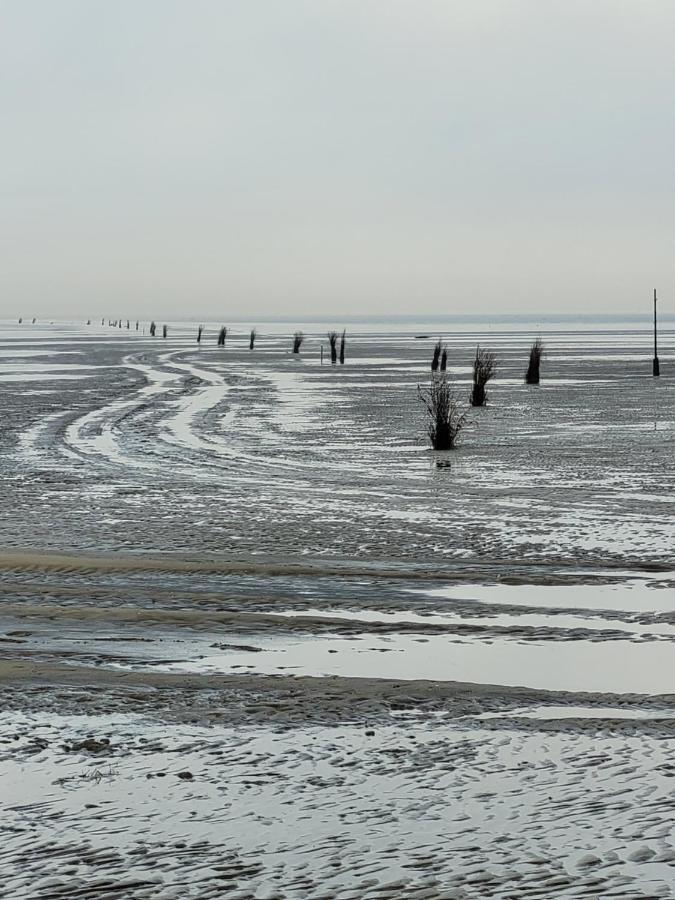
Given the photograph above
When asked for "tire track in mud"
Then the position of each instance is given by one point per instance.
(88, 437)
(195, 424)
(98, 436)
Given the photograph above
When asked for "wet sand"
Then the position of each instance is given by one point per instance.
(252, 647)
(135, 767)
(143, 784)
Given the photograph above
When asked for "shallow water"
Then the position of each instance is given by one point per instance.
(631, 595)
(602, 666)
(491, 617)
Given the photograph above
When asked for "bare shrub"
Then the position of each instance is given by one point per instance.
(222, 334)
(444, 418)
(332, 340)
(343, 341)
(484, 370)
(298, 338)
(536, 353)
(437, 355)
(444, 360)
(251, 339)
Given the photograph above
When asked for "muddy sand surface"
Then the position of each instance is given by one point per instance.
(256, 643)
(188, 734)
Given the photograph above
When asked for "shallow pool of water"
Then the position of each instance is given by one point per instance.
(611, 666)
(630, 596)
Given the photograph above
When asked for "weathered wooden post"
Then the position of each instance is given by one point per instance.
(656, 371)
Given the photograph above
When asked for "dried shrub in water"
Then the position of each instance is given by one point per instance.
(332, 340)
(536, 353)
(484, 370)
(444, 417)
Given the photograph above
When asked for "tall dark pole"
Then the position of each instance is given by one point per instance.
(655, 363)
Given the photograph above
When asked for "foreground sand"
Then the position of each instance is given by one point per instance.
(156, 786)
(134, 768)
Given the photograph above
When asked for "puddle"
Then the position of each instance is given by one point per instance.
(606, 667)
(527, 620)
(634, 596)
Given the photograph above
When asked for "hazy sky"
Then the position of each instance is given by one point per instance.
(236, 157)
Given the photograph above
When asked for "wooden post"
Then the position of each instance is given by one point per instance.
(655, 364)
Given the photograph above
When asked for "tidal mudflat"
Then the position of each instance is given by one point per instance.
(258, 641)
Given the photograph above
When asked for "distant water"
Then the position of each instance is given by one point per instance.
(424, 324)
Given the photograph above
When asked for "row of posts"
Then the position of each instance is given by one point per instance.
(298, 338)
(332, 340)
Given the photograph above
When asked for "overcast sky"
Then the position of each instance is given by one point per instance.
(257, 157)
